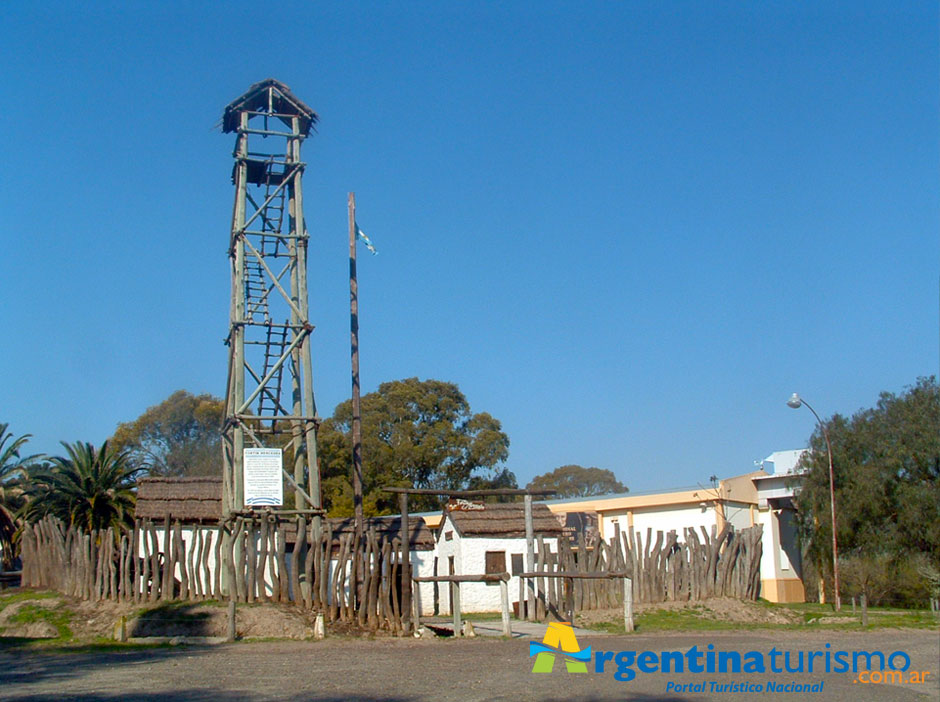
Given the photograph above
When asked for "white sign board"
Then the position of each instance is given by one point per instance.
(263, 482)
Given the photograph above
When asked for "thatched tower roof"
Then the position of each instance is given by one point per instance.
(269, 94)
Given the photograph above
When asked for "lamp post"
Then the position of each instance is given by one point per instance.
(796, 402)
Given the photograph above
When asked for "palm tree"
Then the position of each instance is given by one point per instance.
(89, 488)
(12, 471)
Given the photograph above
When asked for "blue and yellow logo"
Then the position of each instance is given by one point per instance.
(559, 639)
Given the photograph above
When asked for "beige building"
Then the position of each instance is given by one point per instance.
(743, 501)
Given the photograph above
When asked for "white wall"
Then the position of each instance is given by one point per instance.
(738, 514)
(676, 518)
(665, 519)
(422, 562)
(190, 544)
(769, 544)
(782, 462)
(470, 559)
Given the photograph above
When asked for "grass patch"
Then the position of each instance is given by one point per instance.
(691, 619)
(59, 617)
(812, 616)
(484, 616)
(824, 616)
(26, 595)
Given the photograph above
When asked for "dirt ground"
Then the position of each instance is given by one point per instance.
(91, 621)
(717, 608)
(439, 670)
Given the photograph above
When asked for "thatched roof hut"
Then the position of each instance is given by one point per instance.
(199, 501)
(190, 500)
(501, 520)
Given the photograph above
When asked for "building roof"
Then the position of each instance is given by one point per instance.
(432, 519)
(200, 500)
(183, 499)
(420, 537)
(738, 488)
(283, 102)
(783, 462)
(501, 520)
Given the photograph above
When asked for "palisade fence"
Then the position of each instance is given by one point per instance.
(245, 560)
(248, 560)
(661, 568)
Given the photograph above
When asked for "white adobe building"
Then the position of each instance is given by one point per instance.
(485, 538)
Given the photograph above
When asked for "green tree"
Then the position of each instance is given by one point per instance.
(92, 488)
(12, 471)
(181, 436)
(886, 466)
(415, 433)
(578, 481)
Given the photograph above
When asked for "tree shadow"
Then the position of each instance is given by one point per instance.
(173, 619)
(23, 664)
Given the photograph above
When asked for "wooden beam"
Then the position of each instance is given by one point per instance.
(469, 493)
(485, 578)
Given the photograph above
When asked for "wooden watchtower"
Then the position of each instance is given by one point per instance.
(269, 396)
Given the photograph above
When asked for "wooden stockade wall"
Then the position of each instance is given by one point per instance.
(251, 553)
(320, 571)
(661, 568)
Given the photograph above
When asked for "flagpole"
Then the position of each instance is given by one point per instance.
(354, 340)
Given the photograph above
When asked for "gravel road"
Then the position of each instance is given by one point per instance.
(442, 671)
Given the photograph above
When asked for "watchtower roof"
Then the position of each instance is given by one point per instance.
(282, 102)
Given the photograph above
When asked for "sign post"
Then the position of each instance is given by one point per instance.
(263, 483)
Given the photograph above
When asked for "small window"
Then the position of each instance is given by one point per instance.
(517, 564)
(495, 562)
(448, 536)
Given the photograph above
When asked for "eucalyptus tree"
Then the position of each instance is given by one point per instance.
(886, 463)
(415, 433)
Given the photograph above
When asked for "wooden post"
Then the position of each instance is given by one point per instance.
(231, 619)
(569, 599)
(354, 353)
(300, 542)
(180, 558)
(522, 604)
(530, 556)
(455, 588)
(280, 550)
(504, 601)
(166, 589)
(406, 565)
(627, 605)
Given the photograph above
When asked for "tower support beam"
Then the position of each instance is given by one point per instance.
(269, 325)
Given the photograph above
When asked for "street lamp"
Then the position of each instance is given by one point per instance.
(796, 402)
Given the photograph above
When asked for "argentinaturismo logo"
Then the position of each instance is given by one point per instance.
(780, 666)
(559, 640)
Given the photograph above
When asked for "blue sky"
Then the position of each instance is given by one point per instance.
(627, 230)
